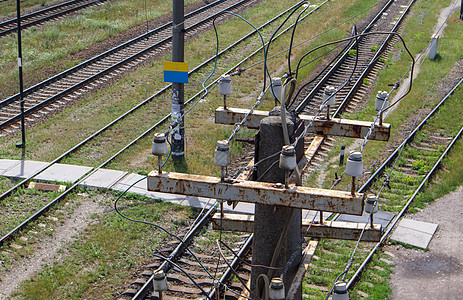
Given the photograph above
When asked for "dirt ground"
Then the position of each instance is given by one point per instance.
(437, 273)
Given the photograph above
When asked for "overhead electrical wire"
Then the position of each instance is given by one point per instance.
(292, 35)
(315, 36)
(217, 41)
(386, 181)
(152, 224)
(346, 39)
(184, 272)
(205, 89)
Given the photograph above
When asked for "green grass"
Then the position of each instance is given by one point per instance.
(107, 253)
(63, 131)
(51, 46)
(8, 8)
(447, 122)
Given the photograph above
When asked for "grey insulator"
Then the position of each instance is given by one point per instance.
(381, 97)
(159, 146)
(222, 155)
(369, 203)
(275, 89)
(329, 90)
(225, 85)
(288, 158)
(159, 281)
(340, 291)
(354, 165)
(276, 289)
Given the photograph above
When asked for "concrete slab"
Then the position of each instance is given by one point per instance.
(381, 217)
(117, 180)
(7, 164)
(425, 227)
(310, 214)
(141, 188)
(415, 233)
(198, 202)
(63, 173)
(24, 169)
(130, 179)
(104, 178)
(241, 208)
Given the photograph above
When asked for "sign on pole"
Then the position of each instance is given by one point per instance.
(176, 72)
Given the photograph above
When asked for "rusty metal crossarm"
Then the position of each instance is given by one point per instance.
(321, 126)
(256, 192)
(328, 230)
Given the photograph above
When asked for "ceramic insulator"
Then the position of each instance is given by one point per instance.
(329, 90)
(381, 97)
(354, 165)
(225, 85)
(275, 89)
(288, 158)
(159, 146)
(159, 281)
(369, 203)
(340, 291)
(222, 156)
(276, 289)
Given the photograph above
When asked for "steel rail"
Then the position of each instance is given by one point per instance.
(11, 190)
(339, 62)
(104, 72)
(47, 17)
(65, 73)
(374, 59)
(234, 264)
(404, 209)
(178, 251)
(92, 171)
(390, 159)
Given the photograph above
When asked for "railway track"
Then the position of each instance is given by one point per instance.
(177, 278)
(43, 209)
(144, 290)
(54, 93)
(421, 154)
(351, 74)
(141, 287)
(46, 14)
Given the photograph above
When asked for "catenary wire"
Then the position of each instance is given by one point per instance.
(386, 181)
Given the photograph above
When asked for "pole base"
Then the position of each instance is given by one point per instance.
(20, 145)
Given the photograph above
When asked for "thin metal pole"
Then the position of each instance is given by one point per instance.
(461, 10)
(20, 66)
(178, 133)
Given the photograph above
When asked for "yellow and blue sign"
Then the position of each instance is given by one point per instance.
(175, 72)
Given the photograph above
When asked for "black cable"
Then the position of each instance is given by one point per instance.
(354, 32)
(184, 272)
(230, 267)
(155, 225)
(321, 72)
(268, 169)
(279, 27)
(386, 181)
(363, 35)
(315, 36)
(292, 38)
(255, 28)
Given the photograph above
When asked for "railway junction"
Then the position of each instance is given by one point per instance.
(300, 181)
